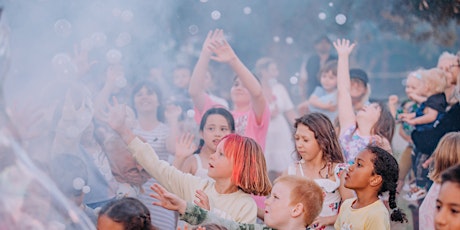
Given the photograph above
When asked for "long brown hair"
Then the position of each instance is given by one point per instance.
(385, 125)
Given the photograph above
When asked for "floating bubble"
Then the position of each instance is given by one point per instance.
(247, 10)
(193, 29)
(127, 15)
(78, 183)
(276, 39)
(116, 12)
(63, 65)
(120, 82)
(215, 15)
(123, 39)
(113, 56)
(331, 4)
(62, 27)
(289, 40)
(293, 80)
(190, 113)
(99, 39)
(86, 44)
(322, 15)
(340, 19)
(203, 1)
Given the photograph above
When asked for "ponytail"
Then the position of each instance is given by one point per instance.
(396, 214)
(200, 146)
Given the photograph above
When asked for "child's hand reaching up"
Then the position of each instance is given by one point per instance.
(222, 50)
(168, 200)
(203, 200)
(343, 47)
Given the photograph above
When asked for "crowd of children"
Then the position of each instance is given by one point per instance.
(141, 161)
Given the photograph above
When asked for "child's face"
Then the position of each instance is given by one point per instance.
(239, 93)
(357, 88)
(215, 128)
(413, 86)
(328, 81)
(306, 144)
(360, 173)
(370, 113)
(181, 78)
(278, 206)
(145, 100)
(219, 165)
(448, 207)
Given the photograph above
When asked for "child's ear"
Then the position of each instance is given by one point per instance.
(297, 210)
(376, 180)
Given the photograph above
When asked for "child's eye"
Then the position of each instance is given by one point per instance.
(211, 129)
(438, 207)
(224, 129)
(455, 211)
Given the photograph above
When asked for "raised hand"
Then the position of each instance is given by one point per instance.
(81, 60)
(343, 47)
(167, 200)
(203, 200)
(212, 36)
(185, 146)
(223, 52)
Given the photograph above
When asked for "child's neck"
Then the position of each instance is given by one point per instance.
(364, 198)
(225, 186)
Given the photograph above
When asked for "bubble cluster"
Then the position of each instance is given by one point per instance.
(62, 27)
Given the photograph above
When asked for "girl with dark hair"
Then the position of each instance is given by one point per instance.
(124, 214)
(320, 159)
(215, 124)
(373, 172)
(448, 202)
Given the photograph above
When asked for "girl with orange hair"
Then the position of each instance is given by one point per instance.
(237, 167)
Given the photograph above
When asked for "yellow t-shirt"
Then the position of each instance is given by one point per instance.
(372, 217)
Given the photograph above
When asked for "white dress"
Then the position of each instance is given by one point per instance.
(279, 145)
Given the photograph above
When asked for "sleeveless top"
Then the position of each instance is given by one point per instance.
(200, 171)
(330, 189)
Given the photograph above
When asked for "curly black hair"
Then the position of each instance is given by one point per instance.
(386, 166)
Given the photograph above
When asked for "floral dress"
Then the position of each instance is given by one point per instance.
(330, 189)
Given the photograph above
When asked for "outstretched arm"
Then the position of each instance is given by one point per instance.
(224, 53)
(196, 89)
(344, 103)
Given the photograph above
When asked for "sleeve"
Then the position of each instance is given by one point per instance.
(195, 215)
(172, 179)
(437, 102)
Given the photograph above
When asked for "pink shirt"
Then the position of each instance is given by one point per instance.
(245, 122)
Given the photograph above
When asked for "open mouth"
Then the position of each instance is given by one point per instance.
(211, 166)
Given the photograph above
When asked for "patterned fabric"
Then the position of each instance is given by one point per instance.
(195, 215)
(330, 189)
(352, 143)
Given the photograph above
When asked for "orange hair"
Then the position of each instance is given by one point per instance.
(249, 167)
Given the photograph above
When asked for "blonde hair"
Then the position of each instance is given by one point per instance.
(306, 192)
(249, 166)
(434, 79)
(446, 154)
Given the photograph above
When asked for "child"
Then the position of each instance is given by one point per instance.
(373, 123)
(448, 202)
(215, 124)
(324, 97)
(282, 117)
(293, 204)
(321, 160)
(446, 154)
(424, 118)
(250, 109)
(126, 213)
(374, 172)
(237, 167)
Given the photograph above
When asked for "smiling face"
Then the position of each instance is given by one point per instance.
(145, 100)
(215, 128)
(448, 207)
(220, 167)
(278, 206)
(413, 86)
(306, 144)
(361, 172)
